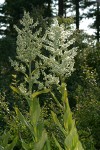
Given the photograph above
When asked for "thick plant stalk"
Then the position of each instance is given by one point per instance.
(30, 80)
(71, 140)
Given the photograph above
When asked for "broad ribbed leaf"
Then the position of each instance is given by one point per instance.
(15, 89)
(56, 100)
(69, 139)
(1, 147)
(68, 120)
(23, 120)
(35, 111)
(57, 143)
(5, 138)
(57, 122)
(79, 146)
(35, 94)
(42, 141)
(24, 145)
(47, 147)
(12, 145)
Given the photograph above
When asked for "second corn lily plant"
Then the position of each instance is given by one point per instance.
(31, 62)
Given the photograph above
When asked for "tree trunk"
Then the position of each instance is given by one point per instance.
(77, 13)
(98, 22)
(60, 8)
(49, 8)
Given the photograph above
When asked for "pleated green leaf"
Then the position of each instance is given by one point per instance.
(71, 138)
(12, 145)
(35, 111)
(1, 147)
(40, 144)
(56, 100)
(35, 94)
(5, 138)
(24, 145)
(23, 120)
(57, 122)
(57, 143)
(15, 89)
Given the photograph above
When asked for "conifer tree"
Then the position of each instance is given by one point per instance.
(76, 6)
(94, 12)
(12, 12)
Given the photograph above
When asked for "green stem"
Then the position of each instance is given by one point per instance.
(30, 80)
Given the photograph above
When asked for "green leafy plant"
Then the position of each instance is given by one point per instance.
(68, 128)
(32, 63)
(6, 141)
(39, 138)
(61, 63)
(28, 50)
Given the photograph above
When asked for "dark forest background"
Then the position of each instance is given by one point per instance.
(84, 83)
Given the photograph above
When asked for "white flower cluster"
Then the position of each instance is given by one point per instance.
(50, 79)
(18, 66)
(57, 42)
(23, 89)
(28, 44)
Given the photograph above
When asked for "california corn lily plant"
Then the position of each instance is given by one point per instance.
(28, 50)
(28, 60)
(61, 64)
